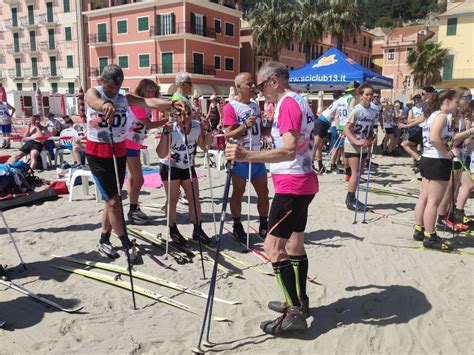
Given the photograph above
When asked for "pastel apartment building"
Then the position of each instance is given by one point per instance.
(157, 39)
(39, 45)
(456, 28)
(398, 45)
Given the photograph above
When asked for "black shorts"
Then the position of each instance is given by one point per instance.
(214, 123)
(176, 173)
(321, 128)
(389, 130)
(435, 169)
(103, 172)
(354, 155)
(415, 135)
(280, 224)
(31, 145)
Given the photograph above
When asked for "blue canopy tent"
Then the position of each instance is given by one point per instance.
(334, 71)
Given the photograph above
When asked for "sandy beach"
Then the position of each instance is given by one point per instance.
(374, 291)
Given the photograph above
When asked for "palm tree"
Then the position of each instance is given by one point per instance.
(426, 63)
(341, 19)
(308, 28)
(272, 29)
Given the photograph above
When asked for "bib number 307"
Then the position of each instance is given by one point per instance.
(120, 119)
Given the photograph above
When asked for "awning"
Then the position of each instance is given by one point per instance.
(222, 90)
(167, 89)
(203, 89)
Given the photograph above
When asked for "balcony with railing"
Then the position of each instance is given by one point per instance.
(181, 28)
(30, 21)
(12, 2)
(192, 68)
(15, 74)
(49, 46)
(48, 20)
(31, 48)
(11, 24)
(51, 73)
(99, 39)
(13, 49)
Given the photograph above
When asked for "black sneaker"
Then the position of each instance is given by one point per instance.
(351, 204)
(199, 234)
(108, 250)
(263, 229)
(435, 242)
(177, 237)
(281, 307)
(292, 320)
(140, 213)
(239, 233)
(134, 217)
(418, 235)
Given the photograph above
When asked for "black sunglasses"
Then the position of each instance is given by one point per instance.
(259, 87)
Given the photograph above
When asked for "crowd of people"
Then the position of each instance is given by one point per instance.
(435, 130)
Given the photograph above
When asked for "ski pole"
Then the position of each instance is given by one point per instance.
(119, 193)
(358, 186)
(248, 193)
(168, 234)
(193, 195)
(13, 240)
(212, 285)
(367, 187)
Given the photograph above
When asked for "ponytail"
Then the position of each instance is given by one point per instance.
(437, 100)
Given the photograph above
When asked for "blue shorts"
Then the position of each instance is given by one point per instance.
(257, 170)
(133, 153)
(6, 128)
(334, 138)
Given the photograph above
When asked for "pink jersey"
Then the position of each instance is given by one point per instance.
(236, 113)
(293, 114)
(136, 130)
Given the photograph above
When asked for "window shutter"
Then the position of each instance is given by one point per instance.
(173, 23)
(158, 25)
(204, 25)
(193, 23)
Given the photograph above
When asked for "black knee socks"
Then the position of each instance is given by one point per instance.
(104, 238)
(300, 267)
(286, 279)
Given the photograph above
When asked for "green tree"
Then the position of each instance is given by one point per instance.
(308, 27)
(426, 62)
(342, 19)
(272, 26)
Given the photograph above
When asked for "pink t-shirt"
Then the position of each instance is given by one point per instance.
(136, 130)
(290, 119)
(230, 117)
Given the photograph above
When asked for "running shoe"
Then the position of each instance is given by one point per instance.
(199, 234)
(108, 250)
(292, 320)
(281, 307)
(418, 235)
(351, 204)
(134, 217)
(435, 242)
(448, 222)
(239, 233)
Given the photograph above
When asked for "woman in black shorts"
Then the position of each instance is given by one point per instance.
(435, 166)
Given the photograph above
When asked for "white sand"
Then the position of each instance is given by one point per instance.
(369, 298)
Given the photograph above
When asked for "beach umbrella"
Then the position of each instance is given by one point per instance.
(3, 94)
(39, 103)
(82, 105)
(62, 105)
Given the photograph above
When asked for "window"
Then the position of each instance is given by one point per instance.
(69, 61)
(54, 87)
(122, 27)
(35, 87)
(143, 60)
(31, 15)
(14, 17)
(452, 24)
(143, 24)
(165, 24)
(70, 88)
(198, 63)
(448, 68)
(17, 67)
(67, 6)
(198, 24)
(167, 63)
(34, 66)
(391, 54)
(16, 42)
(409, 51)
(229, 64)
(33, 40)
(49, 11)
(68, 33)
(52, 65)
(51, 43)
(229, 29)
(102, 32)
(103, 61)
(19, 86)
(217, 26)
(217, 62)
(407, 81)
(123, 61)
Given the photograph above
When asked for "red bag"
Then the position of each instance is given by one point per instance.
(60, 187)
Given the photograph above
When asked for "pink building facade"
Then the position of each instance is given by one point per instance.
(156, 40)
(39, 45)
(398, 45)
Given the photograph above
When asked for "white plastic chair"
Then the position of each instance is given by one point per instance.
(67, 136)
(85, 175)
(217, 154)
